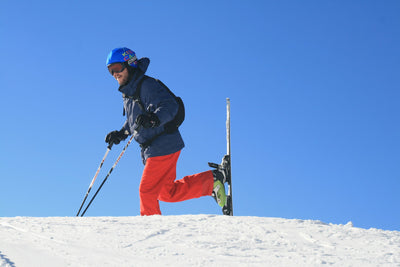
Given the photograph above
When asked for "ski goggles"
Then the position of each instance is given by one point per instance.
(116, 68)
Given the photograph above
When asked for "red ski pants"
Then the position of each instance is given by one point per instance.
(158, 183)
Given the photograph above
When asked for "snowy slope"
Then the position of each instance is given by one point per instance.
(191, 240)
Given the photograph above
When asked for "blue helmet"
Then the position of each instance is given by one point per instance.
(122, 54)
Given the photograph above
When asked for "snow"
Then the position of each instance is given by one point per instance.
(191, 240)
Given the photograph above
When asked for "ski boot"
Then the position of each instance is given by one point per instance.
(222, 174)
(219, 188)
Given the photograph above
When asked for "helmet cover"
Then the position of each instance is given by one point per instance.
(122, 54)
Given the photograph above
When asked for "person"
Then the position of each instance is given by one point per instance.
(159, 150)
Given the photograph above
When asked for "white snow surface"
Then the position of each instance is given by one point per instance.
(191, 240)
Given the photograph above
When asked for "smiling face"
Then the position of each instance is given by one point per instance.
(122, 77)
(120, 72)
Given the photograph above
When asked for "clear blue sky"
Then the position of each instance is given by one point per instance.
(314, 88)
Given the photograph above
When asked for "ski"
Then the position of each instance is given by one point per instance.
(226, 164)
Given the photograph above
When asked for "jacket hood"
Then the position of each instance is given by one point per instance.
(143, 64)
(136, 75)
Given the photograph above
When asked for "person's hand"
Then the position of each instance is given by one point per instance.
(149, 120)
(115, 137)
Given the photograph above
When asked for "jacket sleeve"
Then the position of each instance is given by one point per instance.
(125, 127)
(158, 100)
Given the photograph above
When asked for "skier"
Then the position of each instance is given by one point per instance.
(160, 150)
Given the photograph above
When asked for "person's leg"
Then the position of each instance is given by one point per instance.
(158, 184)
(192, 186)
(157, 171)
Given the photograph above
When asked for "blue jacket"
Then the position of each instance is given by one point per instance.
(156, 99)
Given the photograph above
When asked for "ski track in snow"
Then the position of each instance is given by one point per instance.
(4, 261)
(191, 240)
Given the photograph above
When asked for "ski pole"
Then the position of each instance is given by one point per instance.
(94, 178)
(108, 174)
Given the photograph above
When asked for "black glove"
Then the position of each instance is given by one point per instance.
(148, 120)
(115, 137)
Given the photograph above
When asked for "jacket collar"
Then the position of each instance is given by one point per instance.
(130, 88)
